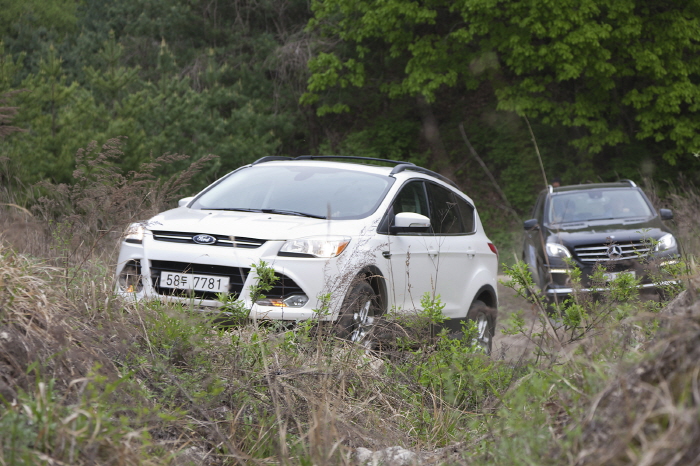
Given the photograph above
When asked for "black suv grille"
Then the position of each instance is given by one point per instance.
(221, 240)
(613, 251)
(237, 277)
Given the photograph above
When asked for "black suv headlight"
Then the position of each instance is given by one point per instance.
(666, 242)
(557, 250)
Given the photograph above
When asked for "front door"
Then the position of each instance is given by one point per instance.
(413, 257)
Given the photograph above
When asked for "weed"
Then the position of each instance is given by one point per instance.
(89, 379)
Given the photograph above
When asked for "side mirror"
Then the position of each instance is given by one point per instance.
(184, 201)
(410, 222)
(666, 214)
(531, 224)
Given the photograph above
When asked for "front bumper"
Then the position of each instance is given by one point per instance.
(564, 291)
(316, 277)
(652, 274)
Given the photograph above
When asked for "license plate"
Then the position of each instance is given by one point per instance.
(610, 276)
(192, 281)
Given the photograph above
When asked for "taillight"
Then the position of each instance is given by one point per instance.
(493, 248)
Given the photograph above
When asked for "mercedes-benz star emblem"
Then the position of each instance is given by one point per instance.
(614, 252)
(204, 239)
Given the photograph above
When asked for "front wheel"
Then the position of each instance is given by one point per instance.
(358, 313)
(485, 319)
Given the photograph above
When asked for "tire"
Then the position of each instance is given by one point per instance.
(358, 314)
(485, 318)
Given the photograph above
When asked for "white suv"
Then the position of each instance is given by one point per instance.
(371, 237)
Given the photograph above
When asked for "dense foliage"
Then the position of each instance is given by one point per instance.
(600, 90)
(172, 77)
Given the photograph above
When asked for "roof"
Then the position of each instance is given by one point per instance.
(589, 186)
(370, 164)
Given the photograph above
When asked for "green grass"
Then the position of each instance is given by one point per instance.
(87, 378)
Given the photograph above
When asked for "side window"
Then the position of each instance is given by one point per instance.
(466, 211)
(411, 198)
(538, 211)
(445, 216)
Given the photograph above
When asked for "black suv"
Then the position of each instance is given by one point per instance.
(608, 225)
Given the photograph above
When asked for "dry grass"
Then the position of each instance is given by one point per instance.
(149, 384)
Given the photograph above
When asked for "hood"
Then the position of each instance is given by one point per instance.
(602, 231)
(251, 224)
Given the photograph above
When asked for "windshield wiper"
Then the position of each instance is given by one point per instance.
(238, 209)
(291, 212)
(271, 211)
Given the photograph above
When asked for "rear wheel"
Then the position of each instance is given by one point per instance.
(485, 319)
(358, 313)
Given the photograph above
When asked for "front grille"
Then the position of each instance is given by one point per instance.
(600, 252)
(221, 240)
(237, 277)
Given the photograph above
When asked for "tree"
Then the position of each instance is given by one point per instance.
(6, 115)
(614, 72)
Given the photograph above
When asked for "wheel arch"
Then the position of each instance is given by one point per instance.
(487, 295)
(372, 275)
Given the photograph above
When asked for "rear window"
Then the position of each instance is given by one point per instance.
(598, 204)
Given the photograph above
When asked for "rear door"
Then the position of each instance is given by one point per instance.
(462, 253)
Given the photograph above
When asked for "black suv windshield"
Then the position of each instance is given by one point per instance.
(298, 190)
(598, 204)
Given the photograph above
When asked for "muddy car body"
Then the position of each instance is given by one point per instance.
(328, 228)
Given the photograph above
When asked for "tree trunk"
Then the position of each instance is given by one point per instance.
(439, 161)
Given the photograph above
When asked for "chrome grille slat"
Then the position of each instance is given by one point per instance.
(599, 252)
(221, 240)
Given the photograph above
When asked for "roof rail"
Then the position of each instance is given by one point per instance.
(271, 158)
(631, 183)
(400, 165)
(348, 157)
(415, 168)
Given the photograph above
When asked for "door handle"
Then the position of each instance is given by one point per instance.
(471, 253)
(433, 252)
(386, 254)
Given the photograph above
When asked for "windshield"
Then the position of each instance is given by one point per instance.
(599, 204)
(299, 190)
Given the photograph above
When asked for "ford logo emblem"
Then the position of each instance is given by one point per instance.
(204, 239)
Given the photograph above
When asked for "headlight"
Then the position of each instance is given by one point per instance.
(322, 246)
(557, 250)
(134, 234)
(666, 242)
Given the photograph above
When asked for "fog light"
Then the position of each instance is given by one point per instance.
(297, 300)
(130, 277)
